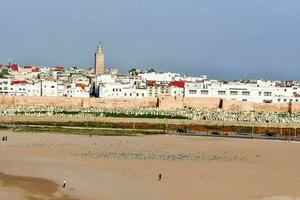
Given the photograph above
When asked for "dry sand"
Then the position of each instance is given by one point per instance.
(33, 166)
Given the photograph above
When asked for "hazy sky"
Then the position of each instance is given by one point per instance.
(226, 39)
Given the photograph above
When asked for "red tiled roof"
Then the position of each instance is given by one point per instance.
(14, 82)
(35, 70)
(81, 85)
(179, 84)
(59, 68)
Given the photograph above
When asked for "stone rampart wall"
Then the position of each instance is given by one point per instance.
(162, 102)
(77, 102)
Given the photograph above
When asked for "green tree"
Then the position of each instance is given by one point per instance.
(133, 72)
(152, 70)
(3, 73)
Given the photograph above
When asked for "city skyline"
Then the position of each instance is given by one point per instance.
(224, 40)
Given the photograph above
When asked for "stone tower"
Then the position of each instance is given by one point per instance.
(99, 60)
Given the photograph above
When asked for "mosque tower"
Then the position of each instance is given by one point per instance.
(99, 60)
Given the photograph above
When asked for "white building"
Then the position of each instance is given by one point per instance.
(117, 90)
(160, 77)
(49, 88)
(259, 93)
(77, 90)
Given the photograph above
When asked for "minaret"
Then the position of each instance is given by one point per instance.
(99, 60)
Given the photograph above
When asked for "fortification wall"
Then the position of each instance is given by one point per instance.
(48, 101)
(295, 107)
(238, 105)
(77, 102)
(272, 107)
(124, 103)
(169, 102)
(163, 102)
(201, 102)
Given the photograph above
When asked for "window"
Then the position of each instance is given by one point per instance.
(233, 93)
(193, 91)
(204, 91)
(267, 94)
(244, 100)
(221, 92)
(246, 93)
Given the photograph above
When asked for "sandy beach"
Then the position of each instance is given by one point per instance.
(33, 166)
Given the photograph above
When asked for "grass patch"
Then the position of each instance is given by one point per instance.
(123, 115)
(75, 131)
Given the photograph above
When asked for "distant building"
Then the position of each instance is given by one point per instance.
(99, 60)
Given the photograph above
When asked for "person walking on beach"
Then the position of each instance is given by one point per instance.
(159, 177)
(64, 184)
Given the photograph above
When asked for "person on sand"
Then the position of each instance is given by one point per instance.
(159, 177)
(64, 184)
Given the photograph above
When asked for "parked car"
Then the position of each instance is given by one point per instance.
(215, 133)
(181, 130)
(242, 133)
(271, 134)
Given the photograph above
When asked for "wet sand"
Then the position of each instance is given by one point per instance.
(33, 166)
(33, 188)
